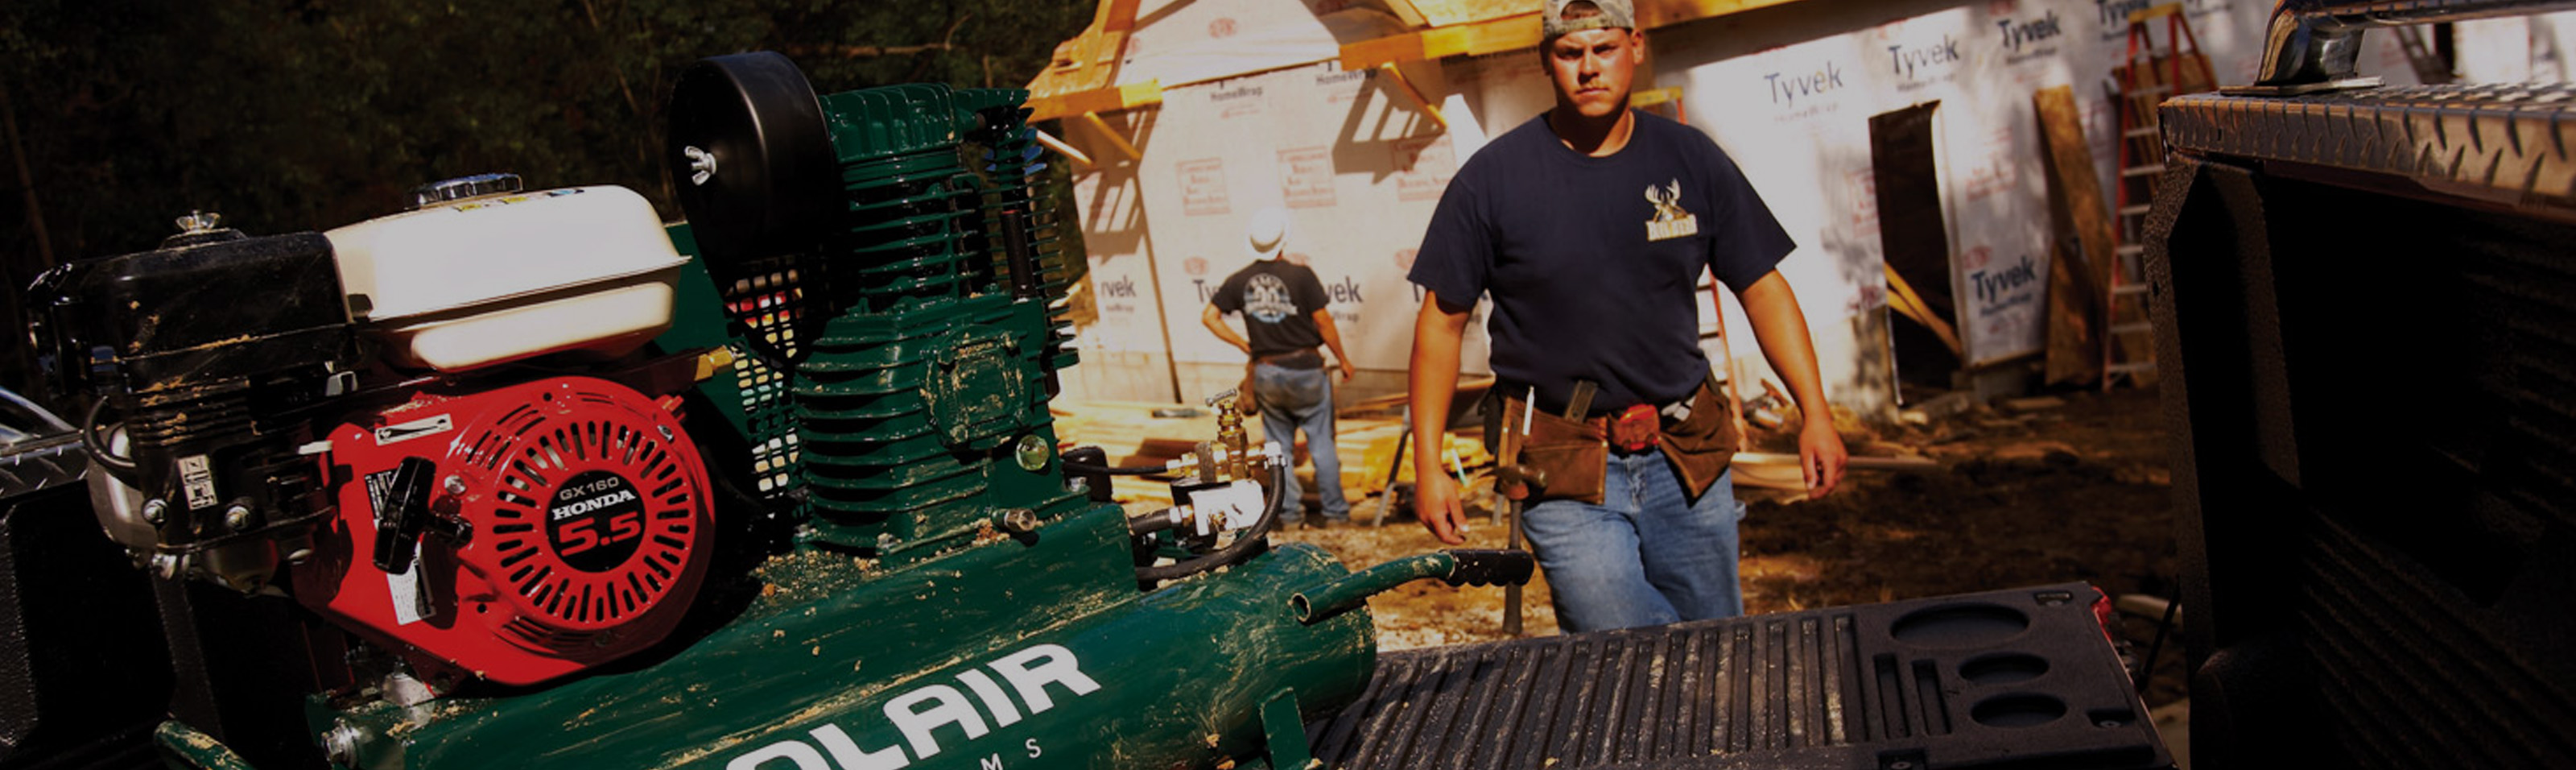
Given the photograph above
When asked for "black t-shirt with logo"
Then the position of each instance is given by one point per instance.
(1592, 263)
(1278, 300)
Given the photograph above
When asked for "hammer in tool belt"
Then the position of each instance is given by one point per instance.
(1509, 473)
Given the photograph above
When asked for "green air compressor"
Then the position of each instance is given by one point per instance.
(521, 478)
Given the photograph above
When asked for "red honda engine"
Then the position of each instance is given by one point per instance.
(515, 535)
(391, 430)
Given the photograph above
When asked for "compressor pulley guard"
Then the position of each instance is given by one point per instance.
(750, 156)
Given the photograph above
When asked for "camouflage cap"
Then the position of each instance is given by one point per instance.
(1614, 14)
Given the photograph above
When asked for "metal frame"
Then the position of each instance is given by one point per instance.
(2311, 45)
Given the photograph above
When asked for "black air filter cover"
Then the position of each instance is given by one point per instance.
(207, 307)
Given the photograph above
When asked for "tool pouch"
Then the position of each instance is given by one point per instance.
(1700, 446)
(1568, 455)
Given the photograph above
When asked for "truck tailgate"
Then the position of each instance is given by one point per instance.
(2021, 678)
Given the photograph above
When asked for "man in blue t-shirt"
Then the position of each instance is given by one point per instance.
(1592, 281)
(1284, 318)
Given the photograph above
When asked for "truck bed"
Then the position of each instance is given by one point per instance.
(2022, 678)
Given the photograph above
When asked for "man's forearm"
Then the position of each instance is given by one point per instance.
(1781, 328)
(1215, 323)
(1437, 335)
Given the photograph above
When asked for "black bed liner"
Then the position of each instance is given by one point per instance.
(2021, 678)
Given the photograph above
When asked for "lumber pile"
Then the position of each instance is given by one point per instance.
(1132, 436)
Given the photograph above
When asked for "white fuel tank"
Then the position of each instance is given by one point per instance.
(477, 281)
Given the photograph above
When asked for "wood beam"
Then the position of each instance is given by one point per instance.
(1115, 15)
(1902, 297)
(1508, 33)
(2140, 16)
(1655, 14)
(1429, 108)
(1111, 99)
(1116, 140)
(1408, 13)
(1050, 142)
(1655, 96)
(1517, 31)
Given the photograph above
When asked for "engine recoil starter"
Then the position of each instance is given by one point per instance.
(566, 523)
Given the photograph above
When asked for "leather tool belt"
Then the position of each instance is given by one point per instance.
(1565, 459)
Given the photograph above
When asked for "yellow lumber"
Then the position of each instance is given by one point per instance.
(1408, 13)
(1518, 31)
(1061, 148)
(1116, 140)
(1902, 296)
(1509, 33)
(1655, 96)
(1115, 15)
(1429, 109)
(1111, 99)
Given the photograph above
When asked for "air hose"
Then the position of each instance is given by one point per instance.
(122, 468)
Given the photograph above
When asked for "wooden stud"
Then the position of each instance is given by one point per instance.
(1902, 297)
(2154, 12)
(1115, 15)
(1116, 140)
(1111, 99)
(1513, 32)
(1404, 84)
(1408, 13)
(1061, 148)
(1508, 33)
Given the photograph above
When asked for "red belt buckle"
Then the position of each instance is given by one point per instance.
(1635, 428)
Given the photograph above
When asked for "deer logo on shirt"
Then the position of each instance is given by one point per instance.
(1671, 220)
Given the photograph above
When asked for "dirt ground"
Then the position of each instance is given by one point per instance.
(2047, 493)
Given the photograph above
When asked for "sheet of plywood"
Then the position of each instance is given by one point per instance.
(2074, 280)
(2070, 169)
(2074, 347)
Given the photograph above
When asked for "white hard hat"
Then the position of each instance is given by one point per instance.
(1267, 234)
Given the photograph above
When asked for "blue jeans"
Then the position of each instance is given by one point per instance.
(1646, 555)
(1294, 400)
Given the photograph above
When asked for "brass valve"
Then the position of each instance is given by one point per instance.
(1232, 456)
(1229, 434)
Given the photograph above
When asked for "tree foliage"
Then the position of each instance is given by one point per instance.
(289, 115)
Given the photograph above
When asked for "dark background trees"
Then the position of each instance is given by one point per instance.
(283, 115)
